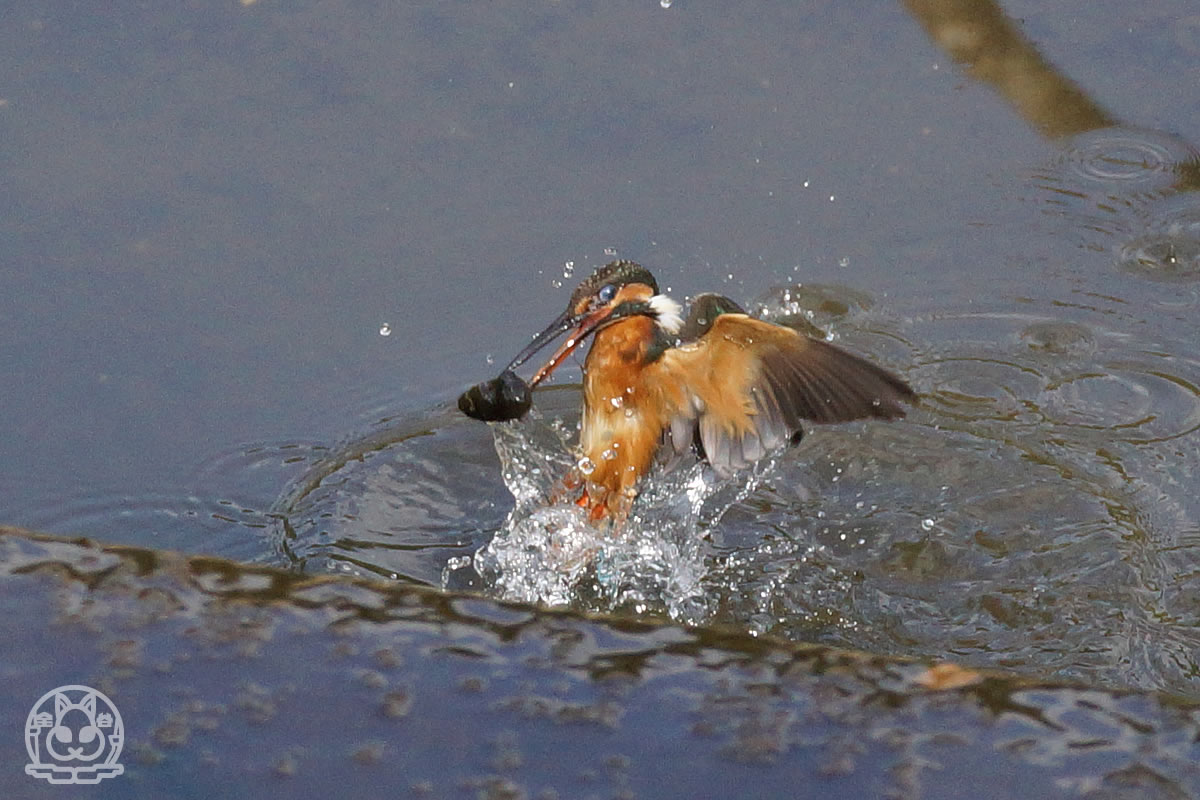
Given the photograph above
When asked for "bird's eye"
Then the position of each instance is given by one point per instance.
(607, 293)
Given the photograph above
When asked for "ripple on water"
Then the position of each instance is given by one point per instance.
(1168, 248)
(1061, 376)
(1127, 159)
(227, 527)
(974, 387)
(222, 509)
(1113, 421)
(1133, 403)
(1022, 517)
(397, 503)
(1103, 181)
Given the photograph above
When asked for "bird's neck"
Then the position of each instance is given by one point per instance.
(623, 348)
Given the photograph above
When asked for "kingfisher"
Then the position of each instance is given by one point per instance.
(656, 386)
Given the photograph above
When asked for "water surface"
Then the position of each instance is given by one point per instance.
(214, 214)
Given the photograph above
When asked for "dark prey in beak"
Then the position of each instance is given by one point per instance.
(507, 396)
(502, 398)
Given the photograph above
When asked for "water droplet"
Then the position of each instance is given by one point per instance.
(844, 261)
(556, 283)
(1169, 250)
(629, 413)
(385, 329)
(586, 465)
(927, 524)
(568, 269)
(665, 3)
(491, 359)
(617, 401)
(609, 454)
(610, 251)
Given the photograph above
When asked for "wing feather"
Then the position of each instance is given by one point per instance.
(748, 385)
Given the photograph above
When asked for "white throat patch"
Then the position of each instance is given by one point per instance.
(667, 311)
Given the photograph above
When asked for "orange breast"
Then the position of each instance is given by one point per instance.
(623, 415)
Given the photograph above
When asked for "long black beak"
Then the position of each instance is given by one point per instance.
(564, 323)
(582, 326)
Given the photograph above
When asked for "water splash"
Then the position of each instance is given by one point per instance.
(548, 550)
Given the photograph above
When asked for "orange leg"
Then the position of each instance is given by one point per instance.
(601, 503)
(595, 502)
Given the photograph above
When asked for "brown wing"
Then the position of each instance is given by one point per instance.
(747, 385)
